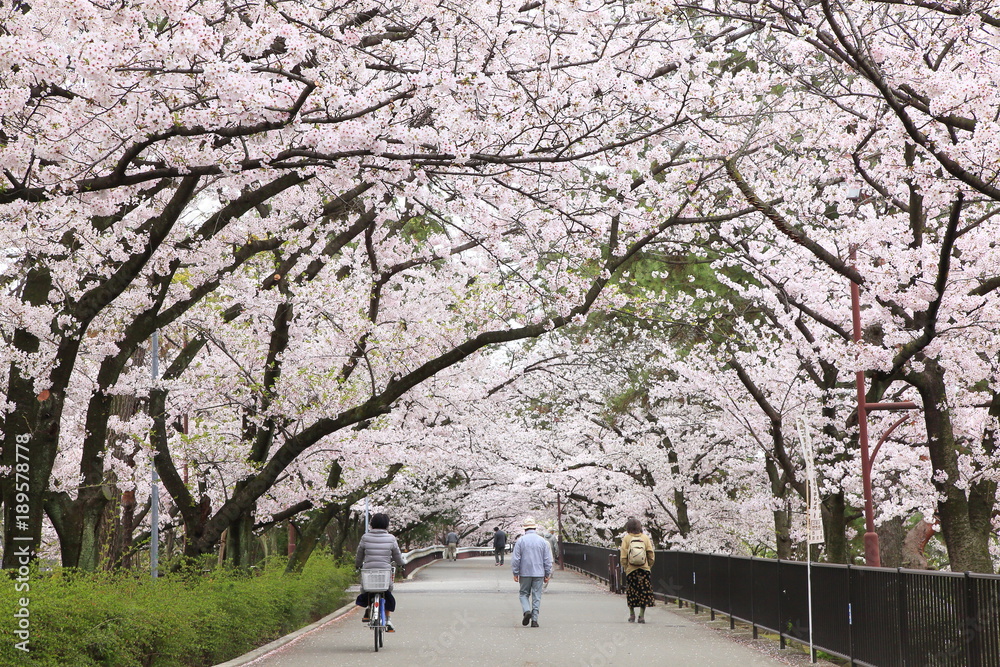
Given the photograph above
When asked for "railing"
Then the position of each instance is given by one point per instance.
(878, 617)
(585, 558)
(420, 557)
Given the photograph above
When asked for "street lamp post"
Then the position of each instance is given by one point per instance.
(872, 556)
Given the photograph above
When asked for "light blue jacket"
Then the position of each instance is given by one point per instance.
(532, 556)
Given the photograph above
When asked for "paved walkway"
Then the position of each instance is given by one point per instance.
(467, 613)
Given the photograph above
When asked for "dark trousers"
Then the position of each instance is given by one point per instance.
(390, 601)
(498, 555)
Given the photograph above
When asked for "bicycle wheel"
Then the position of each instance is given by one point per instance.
(381, 621)
(376, 621)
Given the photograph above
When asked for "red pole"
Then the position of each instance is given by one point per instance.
(885, 436)
(872, 557)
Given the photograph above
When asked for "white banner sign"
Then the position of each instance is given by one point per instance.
(814, 514)
(815, 525)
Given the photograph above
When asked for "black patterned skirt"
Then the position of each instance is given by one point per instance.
(639, 589)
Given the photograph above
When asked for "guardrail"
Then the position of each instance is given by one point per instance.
(877, 617)
(420, 557)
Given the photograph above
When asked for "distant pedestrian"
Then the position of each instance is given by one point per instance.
(531, 564)
(637, 560)
(549, 537)
(499, 545)
(451, 545)
(554, 543)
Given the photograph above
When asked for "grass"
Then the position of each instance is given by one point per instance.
(179, 620)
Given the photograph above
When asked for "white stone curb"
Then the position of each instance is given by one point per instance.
(252, 656)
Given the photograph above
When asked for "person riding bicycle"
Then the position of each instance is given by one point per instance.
(377, 551)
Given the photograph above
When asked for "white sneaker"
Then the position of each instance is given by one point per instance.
(389, 626)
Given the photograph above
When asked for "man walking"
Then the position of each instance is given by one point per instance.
(531, 564)
(451, 545)
(499, 544)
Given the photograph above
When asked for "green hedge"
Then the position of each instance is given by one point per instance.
(121, 620)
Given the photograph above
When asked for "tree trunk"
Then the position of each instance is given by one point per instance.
(968, 544)
(783, 534)
(835, 527)
(239, 539)
(58, 506)
(913, 546)
(84, 528)
(891, 534)
(128, 525)
(681, 515)
(168, 548)
(309, 536)
(782, 517)
(31, 437)
(90, 529)
(222, 546)
(983, 490)
(22, 446)
(83, 520)
(116, 536)
(349, 530)
(36, 420)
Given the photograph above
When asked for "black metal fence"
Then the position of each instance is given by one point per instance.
(881, 617)
(592, 560)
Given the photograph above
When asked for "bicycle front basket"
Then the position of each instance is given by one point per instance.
(375, 581)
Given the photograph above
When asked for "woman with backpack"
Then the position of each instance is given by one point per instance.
(637, 560)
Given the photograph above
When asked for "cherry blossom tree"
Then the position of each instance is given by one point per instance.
(820, 101)
(333, 202)
(896, 102)
(340, 217)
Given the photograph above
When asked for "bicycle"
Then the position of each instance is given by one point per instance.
(376, 583)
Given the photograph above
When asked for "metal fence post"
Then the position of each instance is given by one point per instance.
(711, 587)
(972, 624)
(904, 626)
(781, 618)
(753, 598)
(850, 613)
(614, 576)
(679, 579)
(694, 586)
(729, 591)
